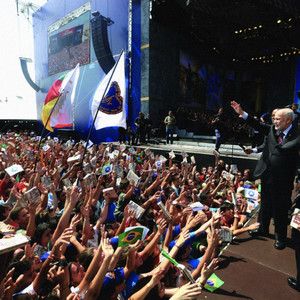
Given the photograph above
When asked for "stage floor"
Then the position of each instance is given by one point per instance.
(203, 153)
(202, 147)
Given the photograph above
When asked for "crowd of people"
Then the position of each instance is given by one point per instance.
(69, 57)
(87, 201)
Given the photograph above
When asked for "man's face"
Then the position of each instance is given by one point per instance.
(273, 115)
(23, 217)
(281, 122)
(36, 263)
(46, 237)
(228, 213)
(77, 272)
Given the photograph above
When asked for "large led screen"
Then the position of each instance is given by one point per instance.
(69, 45)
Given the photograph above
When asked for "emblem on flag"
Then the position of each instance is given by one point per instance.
(252, 194)
(112, 103)
(213, 283)
(158, 164)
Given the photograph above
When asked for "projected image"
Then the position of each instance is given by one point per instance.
(69, 45)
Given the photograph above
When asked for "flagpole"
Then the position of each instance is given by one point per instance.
(88, 138)
(38, 149)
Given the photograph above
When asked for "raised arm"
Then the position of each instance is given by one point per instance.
(97, 282)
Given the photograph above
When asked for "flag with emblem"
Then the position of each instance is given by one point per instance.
(14, 169)
(62, 91)
(131, 235)
(213, 283)
(251, 194)
(106, 169)
(111, 101)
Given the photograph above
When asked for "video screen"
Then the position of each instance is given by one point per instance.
(69, 45)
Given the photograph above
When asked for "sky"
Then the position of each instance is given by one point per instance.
(17, 97)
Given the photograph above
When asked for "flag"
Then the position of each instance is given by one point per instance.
(64, 87)
(131, 235)
(106, 169)
(112, 104)
(213, 283)
(158, 164)
(252, 194)
(14, 169)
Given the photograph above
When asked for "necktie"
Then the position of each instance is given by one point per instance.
(280, 138)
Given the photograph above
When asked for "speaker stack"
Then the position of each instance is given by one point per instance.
(102, 50)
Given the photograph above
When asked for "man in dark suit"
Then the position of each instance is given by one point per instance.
(276, 168)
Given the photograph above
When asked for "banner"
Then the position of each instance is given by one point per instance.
(112, 104)
(63, 91)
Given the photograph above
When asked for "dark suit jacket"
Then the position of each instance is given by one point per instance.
(278, 162)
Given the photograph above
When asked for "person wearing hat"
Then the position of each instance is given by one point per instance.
(276, 168)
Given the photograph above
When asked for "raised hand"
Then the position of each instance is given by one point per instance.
(236, 107)
(213, 238)
(157, 276)
(183, 237)
(162, 225)
(56, 274)
(107, 248)
(207, 271)
(63, 239)
(29, 251)
(75, 220)
(8, 286)
(188, 291)
(75, 195)
(136, 246)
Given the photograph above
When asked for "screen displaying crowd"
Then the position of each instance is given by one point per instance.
(114, 221)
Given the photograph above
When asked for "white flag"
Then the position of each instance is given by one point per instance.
(252, 194)
(112, 108)
(106, 169)
(62, 116)
(14, 169)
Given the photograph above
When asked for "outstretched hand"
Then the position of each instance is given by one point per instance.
(188, 291)
(236, 107)
(207, 271)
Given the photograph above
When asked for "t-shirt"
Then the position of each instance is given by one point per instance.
(172, 124)
(220, 124)
(110, 214)
(130, 284)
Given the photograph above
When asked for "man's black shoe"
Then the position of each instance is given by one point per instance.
(293, 284)
(279, 245)
(257, 233)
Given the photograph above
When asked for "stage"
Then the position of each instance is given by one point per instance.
(202, 150)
